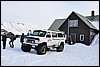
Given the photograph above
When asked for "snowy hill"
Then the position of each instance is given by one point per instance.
(9, 28)
(19, 28)
(73, 55)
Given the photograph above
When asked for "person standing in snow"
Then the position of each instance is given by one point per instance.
(4, 41)
(22, 38)
(12, 38)
(29, 33)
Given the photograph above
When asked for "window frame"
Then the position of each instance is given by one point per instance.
(82, 35)
(73, 23)
(48, 34)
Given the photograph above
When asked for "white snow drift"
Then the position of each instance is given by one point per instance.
(73, 55)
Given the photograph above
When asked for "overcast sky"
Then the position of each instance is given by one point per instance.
(43, 13)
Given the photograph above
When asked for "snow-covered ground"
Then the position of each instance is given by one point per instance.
(73, 55)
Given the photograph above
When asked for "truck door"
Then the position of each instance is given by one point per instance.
(54, 38)
(48, 39)
(60, 38)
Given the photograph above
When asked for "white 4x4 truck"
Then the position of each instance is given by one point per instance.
(43, 40)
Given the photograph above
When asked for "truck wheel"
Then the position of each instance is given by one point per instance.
(41, 49)
(60, 48)
(25, 48)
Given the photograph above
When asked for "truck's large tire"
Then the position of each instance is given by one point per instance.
(41, 49)
(61, 47)
(26, 48)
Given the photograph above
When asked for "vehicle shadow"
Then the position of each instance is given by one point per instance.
(52, 50)
(33, 51)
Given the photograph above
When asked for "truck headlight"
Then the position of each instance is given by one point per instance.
(33, 42)
(37, 41)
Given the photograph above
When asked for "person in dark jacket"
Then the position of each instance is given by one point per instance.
(4, 41)
(11, 41)
(22, 38)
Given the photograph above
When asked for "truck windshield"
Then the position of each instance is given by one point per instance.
(39, 33)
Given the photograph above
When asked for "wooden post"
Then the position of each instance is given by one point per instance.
(68, 32)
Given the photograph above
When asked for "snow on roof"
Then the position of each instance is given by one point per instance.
(96, 24)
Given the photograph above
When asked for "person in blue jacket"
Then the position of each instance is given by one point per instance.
(22, 38)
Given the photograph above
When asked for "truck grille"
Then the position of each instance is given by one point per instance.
(31, 41)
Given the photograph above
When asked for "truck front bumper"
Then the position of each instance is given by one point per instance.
(30, 44)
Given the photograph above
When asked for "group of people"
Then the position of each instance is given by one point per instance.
(12, 38)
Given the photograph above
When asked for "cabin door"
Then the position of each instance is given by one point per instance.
(73, 37)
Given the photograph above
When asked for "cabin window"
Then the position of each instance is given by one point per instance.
(81, 37)
(73, 23)
(92, 33)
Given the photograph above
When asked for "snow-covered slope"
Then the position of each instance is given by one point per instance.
(10, 28)
(19, 28)
(73, 55)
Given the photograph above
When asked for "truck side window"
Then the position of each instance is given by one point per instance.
(60, 35)
(54, 34)
(48, 35)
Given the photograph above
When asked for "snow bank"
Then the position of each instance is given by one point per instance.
(95, 40)
(73, 55)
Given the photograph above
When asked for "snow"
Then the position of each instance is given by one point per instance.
(24, 26)
(19, 28)
(96, 24)
(9, 27)
(73, 55)
(95, 40)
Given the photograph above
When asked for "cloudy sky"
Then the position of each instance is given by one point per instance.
(43, 13)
